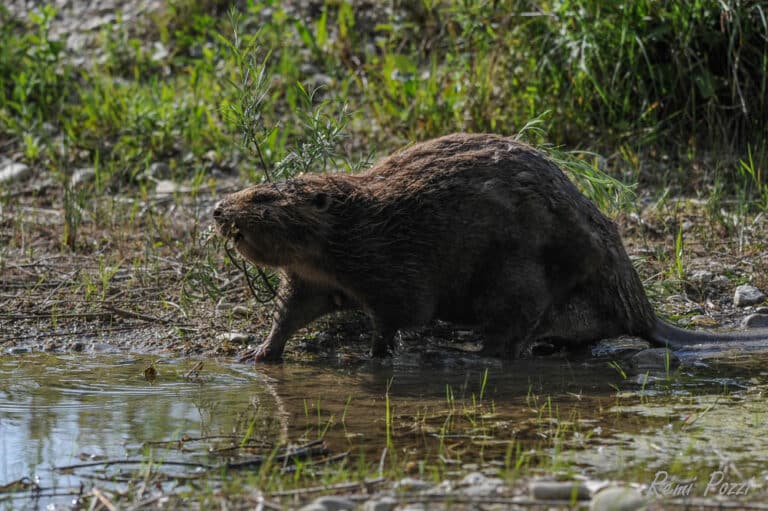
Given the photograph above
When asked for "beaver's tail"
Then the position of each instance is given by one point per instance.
(665, 334)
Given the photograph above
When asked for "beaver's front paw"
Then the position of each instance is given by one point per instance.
(263, 353)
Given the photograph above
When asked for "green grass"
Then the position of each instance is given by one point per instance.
(323, 92)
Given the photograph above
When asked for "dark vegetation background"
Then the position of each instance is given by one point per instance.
(667, 91)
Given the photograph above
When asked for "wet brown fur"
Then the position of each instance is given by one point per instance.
(471, 229)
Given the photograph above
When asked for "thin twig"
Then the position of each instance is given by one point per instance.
(367, 484)
(107, 463)
(50, 315)
(134, 315)
(103, 499)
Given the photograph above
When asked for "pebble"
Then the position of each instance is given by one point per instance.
(478, 484)
(410, 483)
(701, 277)
(747, 295)
(755, 321)
(618, 499)
(235, 337)
(558, 490)
(329, 503)
(382, 504)
(13, 171)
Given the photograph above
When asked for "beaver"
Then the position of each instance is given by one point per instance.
(474, 229)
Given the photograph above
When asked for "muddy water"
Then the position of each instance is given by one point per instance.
(463, 410)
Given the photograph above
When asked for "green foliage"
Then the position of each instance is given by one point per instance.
(32, 80)
(314, 87)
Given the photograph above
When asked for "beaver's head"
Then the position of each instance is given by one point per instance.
(277, 224)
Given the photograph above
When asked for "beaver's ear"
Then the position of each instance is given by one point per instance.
(321, 201)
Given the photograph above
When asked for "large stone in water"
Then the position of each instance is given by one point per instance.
(755, 321)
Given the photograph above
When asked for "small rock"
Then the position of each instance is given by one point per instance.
(82, 176)
(762, 310)
(330, 503)
(382, 504)
(747, 295)
(12, 171)
(558, 490)
(77, 346)
(160, 52)
(755, 321)
(654, 360)
(618, 499)
(477, 483)
(241, 311)
(235, 337)
(701, 277)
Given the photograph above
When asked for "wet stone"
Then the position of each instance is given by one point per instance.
(747, 295)
(654, 360)
(755, 321)
(558, 490)
(618, 346)
(618, 499)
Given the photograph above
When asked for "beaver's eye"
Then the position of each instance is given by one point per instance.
(321, 201)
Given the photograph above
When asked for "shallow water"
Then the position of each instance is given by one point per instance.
(67, 409)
